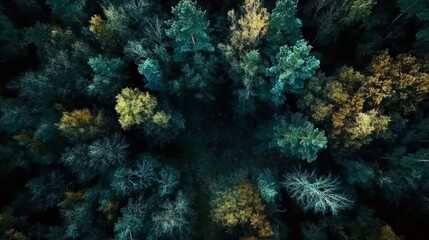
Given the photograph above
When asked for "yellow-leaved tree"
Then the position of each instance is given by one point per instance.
(354, 105)
(250, 27)
(81, 123)
(135, 107)
(241, 205)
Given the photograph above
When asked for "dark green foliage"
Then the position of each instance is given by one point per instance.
(312, 231)
(69, 12)
(283, 24)
(161, 135)
(100, 156)
(418, 9)
(15, 116)
(95, 96)
(153, 75)
(294, 136)
(188, 29)
(107, 78)
(47, 190)
(173, 220)
(9, 38)
(249, 71)
(407, 173)
(77, 221)
(291, 68)
(359, 173)
(144, 174)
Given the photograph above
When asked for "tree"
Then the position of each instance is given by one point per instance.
(283, 25)
(248, 73)
(67, 11)
(134, 107)
(150, 69)
(107, 76)
(359, 108)
(81, 124)
(141, 176)
(107, 152)
(357, 10)
(78, 221)
(145, 173)
(359, 173)
(60, 77)
(47, 190)
(331, 16)
(387, 233)
(189, 29)
(9, 36)
(236, 202)
(173, 220)
(417, 9)
(76, 158)
(249, 28)
(131, 225)
(97, 27)
(16, 116)
(405, 173)
(268, 185)
(8, 225)
(312, 231)
(321, 194)
(293, 65)
(293, 135)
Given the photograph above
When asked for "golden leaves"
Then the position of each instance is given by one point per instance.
(96, 26)
(135, 107)
(387, 233)
(81, 122)
(354, 105)
(251, 27)
(241, 204)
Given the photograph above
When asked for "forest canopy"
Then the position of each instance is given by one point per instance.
(191, 119)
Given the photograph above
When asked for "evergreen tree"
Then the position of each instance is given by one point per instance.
(294, 136)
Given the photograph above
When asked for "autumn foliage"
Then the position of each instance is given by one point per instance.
(241, 205)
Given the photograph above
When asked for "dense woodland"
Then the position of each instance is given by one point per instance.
(222, 119)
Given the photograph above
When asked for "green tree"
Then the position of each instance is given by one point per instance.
(418, 9)
(294, 136)
(284, 27)
(107, 78)
(70, 12)
(292, 66)
(405, 173)
(173, 219)
(189, 29)
(152, 72)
